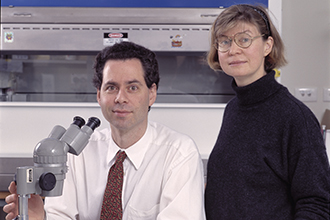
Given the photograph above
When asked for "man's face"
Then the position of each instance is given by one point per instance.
(124, 96)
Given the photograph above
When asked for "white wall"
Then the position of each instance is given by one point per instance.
(23, 125)
(306, 35)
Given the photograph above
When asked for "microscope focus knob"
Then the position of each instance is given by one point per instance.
(47, 181)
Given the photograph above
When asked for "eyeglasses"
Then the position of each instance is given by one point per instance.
(241, 39)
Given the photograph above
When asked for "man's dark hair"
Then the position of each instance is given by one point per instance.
(124, 51)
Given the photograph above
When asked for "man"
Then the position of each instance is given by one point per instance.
(163, 174)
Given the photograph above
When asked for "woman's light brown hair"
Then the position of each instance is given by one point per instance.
(248, 14)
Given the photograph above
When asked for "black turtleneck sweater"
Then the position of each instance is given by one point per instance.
(269, 161)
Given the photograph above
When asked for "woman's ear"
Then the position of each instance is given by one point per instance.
(268, 46)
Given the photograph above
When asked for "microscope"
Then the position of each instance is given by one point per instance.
(47, 176)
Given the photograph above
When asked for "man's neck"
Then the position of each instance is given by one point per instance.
(124, 139)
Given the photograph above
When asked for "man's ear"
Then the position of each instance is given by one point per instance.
(152, 94)
(98, 96)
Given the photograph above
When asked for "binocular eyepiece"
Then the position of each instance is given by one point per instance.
(93, 122)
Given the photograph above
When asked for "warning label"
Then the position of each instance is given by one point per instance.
(110, 39)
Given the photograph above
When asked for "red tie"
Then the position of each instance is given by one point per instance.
(112, 205)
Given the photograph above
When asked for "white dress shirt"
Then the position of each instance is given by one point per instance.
(163, 178)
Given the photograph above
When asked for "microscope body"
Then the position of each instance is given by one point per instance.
(46, 177)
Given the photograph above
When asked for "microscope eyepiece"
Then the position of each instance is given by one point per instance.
(93, 123)
(79, 121)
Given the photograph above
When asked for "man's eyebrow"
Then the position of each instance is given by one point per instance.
(108, 83)
(133, 81)
(112, 83)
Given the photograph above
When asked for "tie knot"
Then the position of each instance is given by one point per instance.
(121, 155)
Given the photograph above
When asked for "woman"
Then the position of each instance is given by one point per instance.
(269, 161)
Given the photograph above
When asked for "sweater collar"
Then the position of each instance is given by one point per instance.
(257, 91)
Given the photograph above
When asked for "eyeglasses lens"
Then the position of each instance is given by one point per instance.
(243, 40)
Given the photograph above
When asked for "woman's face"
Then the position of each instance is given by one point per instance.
(246, 65)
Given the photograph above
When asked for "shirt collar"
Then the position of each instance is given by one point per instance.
(135, 153)
(112, 151)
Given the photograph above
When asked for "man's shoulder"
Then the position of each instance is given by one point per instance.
(162, 129)
(167, 136)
